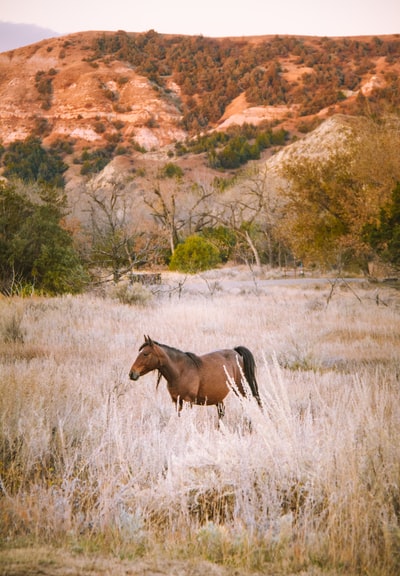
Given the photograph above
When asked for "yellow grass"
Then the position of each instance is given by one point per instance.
(90, 461)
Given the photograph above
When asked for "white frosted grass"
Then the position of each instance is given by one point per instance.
(93, 451)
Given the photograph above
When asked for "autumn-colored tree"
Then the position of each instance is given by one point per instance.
(317, 220)
(330, 199)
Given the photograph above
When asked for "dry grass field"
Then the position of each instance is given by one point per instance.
(99, 475)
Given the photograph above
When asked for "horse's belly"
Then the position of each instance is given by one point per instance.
(185, 393)
(212, 394)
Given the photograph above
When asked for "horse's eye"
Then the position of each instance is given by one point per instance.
(146, 353)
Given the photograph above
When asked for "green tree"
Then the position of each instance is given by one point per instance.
(223, 238)
(28, 161)
(195, 255)
(384, 234)
(35, 248)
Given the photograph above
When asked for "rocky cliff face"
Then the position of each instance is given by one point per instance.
(49, 88)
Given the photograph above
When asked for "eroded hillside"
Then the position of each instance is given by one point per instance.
(150, 90)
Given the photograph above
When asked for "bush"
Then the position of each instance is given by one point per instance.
(195, 255)
(10, 325)
(133, 294)
(171, 170)
(94, 161)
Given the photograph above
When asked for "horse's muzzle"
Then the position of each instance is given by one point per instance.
(134, 375)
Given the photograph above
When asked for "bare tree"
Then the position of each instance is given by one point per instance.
(264, 205)
(115, 243)
(163, 210)
(180, 210)
(251, 206)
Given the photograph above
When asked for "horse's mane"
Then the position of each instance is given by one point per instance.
(193, 357)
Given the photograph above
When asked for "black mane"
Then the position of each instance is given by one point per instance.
(193, 357)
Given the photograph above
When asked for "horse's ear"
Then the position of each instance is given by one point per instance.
(148, 340)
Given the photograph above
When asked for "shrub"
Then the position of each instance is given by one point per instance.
(195, 255)
(171, 170)
(61, 146)
(10, 325)
(94, 161)
(133, 294)
(99, 127)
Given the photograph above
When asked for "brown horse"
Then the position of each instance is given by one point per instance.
(198, 379)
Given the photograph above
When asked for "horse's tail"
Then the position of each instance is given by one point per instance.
(249, 370)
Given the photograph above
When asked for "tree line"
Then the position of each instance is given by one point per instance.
(336, 211)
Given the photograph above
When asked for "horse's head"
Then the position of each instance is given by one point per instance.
(147, 360)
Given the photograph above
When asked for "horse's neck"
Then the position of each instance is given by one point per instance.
(173, 364)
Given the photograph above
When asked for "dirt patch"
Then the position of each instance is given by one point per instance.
(47, 561)
(50, 562)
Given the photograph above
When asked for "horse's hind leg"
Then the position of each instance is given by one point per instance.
(221, 410)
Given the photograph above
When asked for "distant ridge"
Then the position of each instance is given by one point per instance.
(14, 35)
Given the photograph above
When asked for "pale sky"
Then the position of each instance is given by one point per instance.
(210, 17)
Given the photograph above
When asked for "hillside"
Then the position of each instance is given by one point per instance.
(167, 146)
(136, 93)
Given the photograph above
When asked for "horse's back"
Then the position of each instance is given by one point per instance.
(218, 362)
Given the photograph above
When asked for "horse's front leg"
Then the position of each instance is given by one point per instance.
(178, 404)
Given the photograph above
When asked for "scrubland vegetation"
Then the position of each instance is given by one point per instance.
(212, 72)
(93, 463)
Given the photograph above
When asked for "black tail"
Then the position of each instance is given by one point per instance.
(249, 370)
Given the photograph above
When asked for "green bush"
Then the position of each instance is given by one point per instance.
(93, 161)
(195, 255)
(171, 170)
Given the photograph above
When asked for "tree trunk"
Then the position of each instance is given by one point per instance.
(253, 249)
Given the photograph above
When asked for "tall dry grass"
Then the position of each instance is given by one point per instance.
(91, 460)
